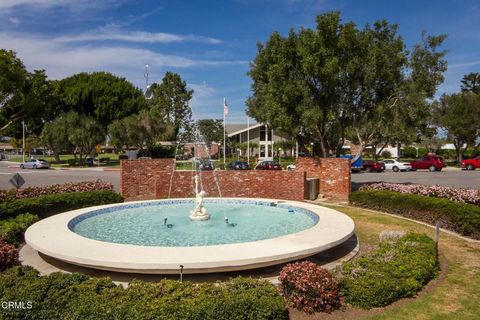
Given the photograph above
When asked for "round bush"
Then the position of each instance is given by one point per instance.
(386, 154)
(310, 288)
(8, 256)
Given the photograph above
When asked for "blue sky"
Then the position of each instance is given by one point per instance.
(209, 43)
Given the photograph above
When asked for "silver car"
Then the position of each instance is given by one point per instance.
(35, 164)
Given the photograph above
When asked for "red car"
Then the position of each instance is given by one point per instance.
(471, 164)
(432, 163)
(370, 166)
(268, 165)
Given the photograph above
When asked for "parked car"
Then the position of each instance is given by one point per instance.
(268, 165)
(35, 164)
(371, 165)
(356, 165)
(432, 163)
(471, 164)
(205, 165)
(238, 165)
(395, 165)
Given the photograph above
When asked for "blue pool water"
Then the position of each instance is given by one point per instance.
(143, 224)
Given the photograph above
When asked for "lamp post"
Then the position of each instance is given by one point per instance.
(280, 155)
(238, 154)
(23, 140)
(311, 144)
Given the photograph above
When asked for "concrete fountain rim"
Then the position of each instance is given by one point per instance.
(53, 237)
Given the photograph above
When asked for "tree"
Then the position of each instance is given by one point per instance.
(24, 96)
(210, 130)
(459, 115)
(471, 82)
(172, 98)
(55, 136)
(340, 81)
(101, 95)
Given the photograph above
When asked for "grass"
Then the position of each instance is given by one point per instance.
(454, 297)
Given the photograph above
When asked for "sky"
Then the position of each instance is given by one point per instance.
(210, 43)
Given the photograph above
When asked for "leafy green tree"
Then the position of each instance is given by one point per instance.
(12, 88)
(172, 99)
(84, 134)
(55, 136)
(340, 81)
(471, 82)
(459, 115)
(101, 95)
(23, 96)
(211, 130)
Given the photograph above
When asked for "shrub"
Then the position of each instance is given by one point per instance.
(72, 162)
(455, 194)
(51, 204)
(459, 217)
(393, 271)
(8, 256)
(310, 288)
(386, 154)
(122, 157)
(409, 152)
(54, 189)
(11, 230)
(75, 296)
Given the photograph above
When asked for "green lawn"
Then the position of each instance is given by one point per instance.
(454, 297)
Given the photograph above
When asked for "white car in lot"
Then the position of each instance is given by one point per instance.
(395, 165)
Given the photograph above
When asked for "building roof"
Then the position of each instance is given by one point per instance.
(234, 129)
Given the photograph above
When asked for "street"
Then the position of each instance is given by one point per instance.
(450, 177)
(47, 177)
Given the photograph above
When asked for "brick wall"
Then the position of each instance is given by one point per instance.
(150, 179)
(334, 175)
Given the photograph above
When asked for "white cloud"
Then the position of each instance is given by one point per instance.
(463, 64)
(4, 4)
(64, 59)
(14, 20)
(110, 32)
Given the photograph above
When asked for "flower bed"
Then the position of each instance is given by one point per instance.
(463, 218)
(31, 192)
(461, 195)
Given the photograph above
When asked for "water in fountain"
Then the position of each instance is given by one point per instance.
(173, 170)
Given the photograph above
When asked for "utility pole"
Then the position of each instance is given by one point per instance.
(23, 139)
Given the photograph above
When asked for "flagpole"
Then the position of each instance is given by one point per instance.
(224, 131)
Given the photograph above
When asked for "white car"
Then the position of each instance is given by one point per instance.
(395, 165)
(291, 167)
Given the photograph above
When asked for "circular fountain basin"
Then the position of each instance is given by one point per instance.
(134, 237)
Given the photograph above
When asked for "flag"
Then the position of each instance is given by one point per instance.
(225, 106)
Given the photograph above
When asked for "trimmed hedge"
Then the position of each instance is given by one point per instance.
(11, 230)
(393, 271)
(459, 217)
(76, 296)
(55, 203)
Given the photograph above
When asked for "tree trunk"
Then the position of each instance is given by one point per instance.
(458, 149)
(56, 154)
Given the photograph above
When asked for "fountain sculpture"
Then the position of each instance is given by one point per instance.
(199, 213)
